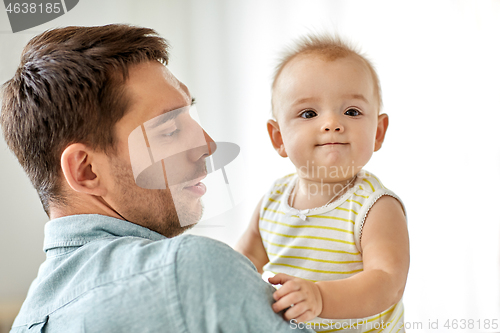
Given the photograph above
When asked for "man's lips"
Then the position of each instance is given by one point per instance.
(196, 187)
(195, 182)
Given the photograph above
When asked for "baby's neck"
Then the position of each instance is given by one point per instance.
(308, 194)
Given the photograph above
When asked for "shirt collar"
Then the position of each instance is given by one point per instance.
(77, 230)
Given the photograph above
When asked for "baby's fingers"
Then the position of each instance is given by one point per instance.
(287, 288)
(280, 278)
(287, 301)
(300, 313)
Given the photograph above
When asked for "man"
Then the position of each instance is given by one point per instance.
(71, 114)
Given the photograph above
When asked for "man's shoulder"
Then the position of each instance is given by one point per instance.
(220, 286)
(203, 251)
(141, 254)
(199, 242)
(136, 267)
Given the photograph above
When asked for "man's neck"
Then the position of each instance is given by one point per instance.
(78, 206)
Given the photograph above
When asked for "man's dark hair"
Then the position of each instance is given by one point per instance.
(69, 88)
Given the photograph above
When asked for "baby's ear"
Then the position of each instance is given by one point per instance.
(383, 123)
(275, 134)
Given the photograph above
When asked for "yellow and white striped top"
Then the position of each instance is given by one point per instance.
(323, 244)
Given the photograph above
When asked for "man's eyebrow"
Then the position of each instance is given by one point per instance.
(169, 115)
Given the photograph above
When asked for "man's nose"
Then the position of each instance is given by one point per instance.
(211, 145)
(204, 146)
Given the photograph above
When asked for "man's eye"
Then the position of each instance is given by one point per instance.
(352, 112)
(308, 114)
(171, 133)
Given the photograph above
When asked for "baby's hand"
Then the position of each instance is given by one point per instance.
(304, 297)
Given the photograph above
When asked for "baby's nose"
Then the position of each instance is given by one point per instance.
(337, 129)
(332, 124)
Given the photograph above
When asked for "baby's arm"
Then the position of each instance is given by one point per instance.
(386, 260)
(250, 244)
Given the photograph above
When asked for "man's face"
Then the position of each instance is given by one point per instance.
(153, 93)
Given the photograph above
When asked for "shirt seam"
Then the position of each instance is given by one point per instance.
(53, 256)
(74, 242)
(177, 292)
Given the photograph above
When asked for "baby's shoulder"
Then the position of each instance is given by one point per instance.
(367, 183)
(279, 188)
(282, 183)
(368, 190)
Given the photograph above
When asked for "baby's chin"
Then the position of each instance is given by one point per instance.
(328, 181)
(328, 172)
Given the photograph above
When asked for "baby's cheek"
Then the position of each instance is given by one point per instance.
(364, 155)
(298, 160)
(293, 147)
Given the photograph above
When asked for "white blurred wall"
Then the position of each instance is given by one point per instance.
(440, 77)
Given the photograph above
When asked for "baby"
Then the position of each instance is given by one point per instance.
(332, 235)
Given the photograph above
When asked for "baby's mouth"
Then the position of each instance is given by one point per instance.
(332, 144)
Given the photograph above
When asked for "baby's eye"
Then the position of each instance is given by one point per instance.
(352, 112)
(308, 114)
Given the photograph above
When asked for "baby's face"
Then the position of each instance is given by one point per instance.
(327, 114)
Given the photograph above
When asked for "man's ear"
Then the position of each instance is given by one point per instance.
(275, 134)
(383, 123)
(78, 170)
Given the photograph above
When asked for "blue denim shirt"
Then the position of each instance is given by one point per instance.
(108, 275)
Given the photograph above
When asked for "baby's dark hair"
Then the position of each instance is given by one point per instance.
(331, 48)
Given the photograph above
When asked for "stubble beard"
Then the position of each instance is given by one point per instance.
(158, 210)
